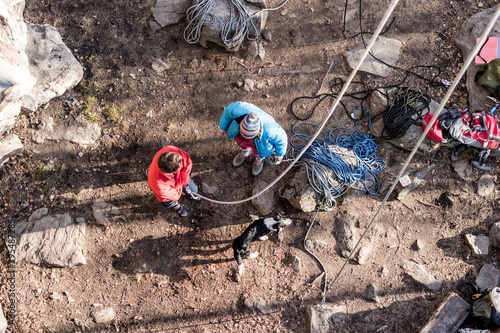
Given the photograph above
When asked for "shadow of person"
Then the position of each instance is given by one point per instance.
(171, 255)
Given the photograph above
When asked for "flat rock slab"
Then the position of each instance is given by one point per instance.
(448, 317)
(103, 211)
(385, 49)
(52, 240)
(322, 318)
(487, 277)
(418, 273)
(478, 244)
(81, 131)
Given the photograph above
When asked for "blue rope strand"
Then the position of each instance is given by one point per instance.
(351, 156)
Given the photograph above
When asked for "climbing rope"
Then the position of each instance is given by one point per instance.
(459, 76)
(325, 283)
(239, 25)
(336, 163)
(405, 108)
(328, 116)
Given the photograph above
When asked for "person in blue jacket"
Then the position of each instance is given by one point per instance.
(253, 130)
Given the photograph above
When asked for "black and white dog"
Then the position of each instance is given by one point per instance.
(260, 228)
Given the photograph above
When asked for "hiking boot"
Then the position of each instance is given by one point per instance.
(257, 167)
(181, 211)
(239, 159)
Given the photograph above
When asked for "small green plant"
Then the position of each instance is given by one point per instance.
(40, 172)
(111, 112)
(89, 109)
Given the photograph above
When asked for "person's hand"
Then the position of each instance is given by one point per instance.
(278, 159)
(221, 132)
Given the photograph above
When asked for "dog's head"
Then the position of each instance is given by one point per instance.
(277, 223)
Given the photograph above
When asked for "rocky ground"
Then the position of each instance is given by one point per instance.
(144, 269)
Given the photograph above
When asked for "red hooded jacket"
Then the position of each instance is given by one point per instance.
(169, 187)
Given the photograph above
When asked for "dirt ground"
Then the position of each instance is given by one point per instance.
(161, 273)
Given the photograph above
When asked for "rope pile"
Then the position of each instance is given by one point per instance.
(239, 25)
(336, 163)
(406, 107)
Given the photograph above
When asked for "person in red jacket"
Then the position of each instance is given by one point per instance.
(168, 178)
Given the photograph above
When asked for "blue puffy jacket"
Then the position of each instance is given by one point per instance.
(272, 137)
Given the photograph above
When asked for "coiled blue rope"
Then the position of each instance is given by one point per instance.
(336, 163)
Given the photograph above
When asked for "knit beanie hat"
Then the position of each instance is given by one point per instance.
(250, 126)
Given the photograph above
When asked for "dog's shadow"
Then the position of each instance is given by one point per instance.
(171, 255)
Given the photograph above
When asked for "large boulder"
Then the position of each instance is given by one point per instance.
(15, 78)
(52, 63)
(466, 41)
(168, 12)
(299, 192)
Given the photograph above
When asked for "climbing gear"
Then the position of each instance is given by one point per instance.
(191, 190)
(239, 159)
(257, 167)
(482, 309)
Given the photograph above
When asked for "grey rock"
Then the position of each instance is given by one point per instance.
(15, 78)
(478, 244)
(267, 35)
(485, 185)
(251, 50)
(365, 250)
(52, 240)
(487, 277)
(55, 296)
(385, 49)
(3, 321)
(385, 271)
(81, 131)
(418, 273)
(466, 41)
(264, 203)
(315, 244)
(418, 245)
(494, 234)
(153, 25)
(323, 318)
(168, 12)
(103, 211)
(51, 63)
(208, 189)
(10, 145)
(371, 293)
(249, 85)
(104, 316)
(159, 66)
(296, 264)
(299, 192)
(463, 168)
(346, 232)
